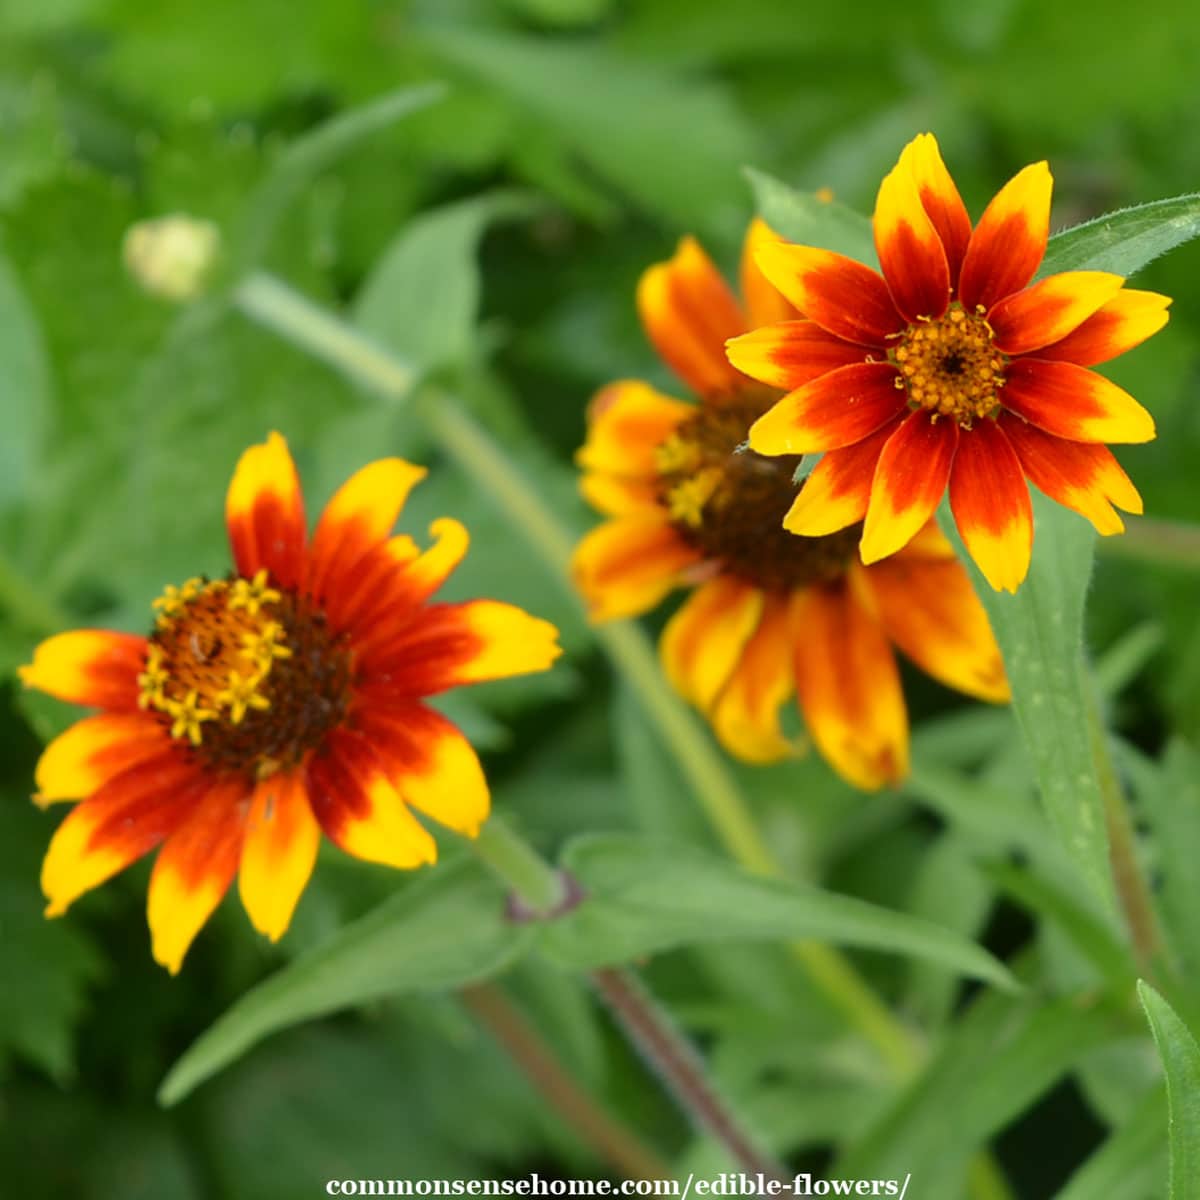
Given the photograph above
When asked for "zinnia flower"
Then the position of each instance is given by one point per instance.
(950, 369)
(772, 613)
(281, 701)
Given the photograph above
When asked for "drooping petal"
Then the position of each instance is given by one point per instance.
(838, 491)
(746, 714)
(990, 501)
(124, 820)
(1127, 320)
(83, 758)
(791, 354)
(450, 645)
(627, 423)
(837, 409)
(359, 517)
(1080, 475)
(928, 607)
(843, 297)
(704, 639)
(1074, 403)
(1009, 242)
(359, 807)
(278, 853)
(848, 686)
(431, 763)
(264, 513)
(910, 251)
(193, 871)
(910, 478)
(765, 305)
(88, 666)
(1050, 309)
(625, 567)
(940, 199)
(688, 311)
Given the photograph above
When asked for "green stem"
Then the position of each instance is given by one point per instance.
(517, 864)
(1165, 543)
(26, 606)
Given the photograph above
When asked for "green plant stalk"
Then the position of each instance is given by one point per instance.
(1163, 543)
(515, 863)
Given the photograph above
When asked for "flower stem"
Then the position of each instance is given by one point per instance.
(1167, 543)
(539, 886)
(612, 1139)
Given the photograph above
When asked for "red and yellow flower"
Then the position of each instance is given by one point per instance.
(282, 701)
(950, 370)
(771, 613)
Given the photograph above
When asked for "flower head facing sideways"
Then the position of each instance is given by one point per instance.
(950, 371)
(280, 702)
(770, 614)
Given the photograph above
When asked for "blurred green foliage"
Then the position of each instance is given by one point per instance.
(495, 238)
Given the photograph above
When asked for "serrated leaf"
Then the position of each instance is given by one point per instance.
(444, 931)
(811, 220)
(645, 895)
(1181, 1064)
(1126, 240)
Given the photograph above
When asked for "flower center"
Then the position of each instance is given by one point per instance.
(247, 674)
(730, 503)
(950, 366)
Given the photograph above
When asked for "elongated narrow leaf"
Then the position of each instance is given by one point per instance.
(1181, 1064)
(810, 220)
(644, 895)
(1132, 1163)
(1126, 240)
(446, 931)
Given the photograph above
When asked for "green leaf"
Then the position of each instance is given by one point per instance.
(1181, 1064)
(1126, 240)
(444, 931)
(1131, 1163)
(806, 218)
(644, 895)
(24, 386)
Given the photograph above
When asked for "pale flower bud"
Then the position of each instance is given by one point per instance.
(171, 256)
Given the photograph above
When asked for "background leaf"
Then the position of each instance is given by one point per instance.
(1181, 1064)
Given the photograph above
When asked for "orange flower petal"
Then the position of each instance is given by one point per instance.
(1009, 242)
(843, 297)
(990, 501)
(431, 764)
(1048, 310)
(791, 354)
(82, 759)
(359, 807)
(264, 513)
(627, 422)
(702, 642)
(765, 305)
(1079, 475)
(849, 687)
(688, 311)
(88, 666)
(358, 518)
(929, 543)
(124, 820)
(1127, 320)
(910, 251)
(910, 478)
(1074, 403)
(929, 609)
(939, 198)
(278, 853)
(625, 567)
(746, 714)
(838, 490)
(193, 871)
(616, 495)
(837, 409)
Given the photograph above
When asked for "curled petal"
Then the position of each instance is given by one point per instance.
(264, 513)
(627, 423)
(835, 410)
(849, 687)
(791, 354)
(688, 311)
(1009, 242)
(1074, 403)
(939, 198)
(1127, 320)
(765, 304)
(843, 297)
(88, 666)
(702, 642)
(83, 758)
(910, 478)
(1048, 310)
